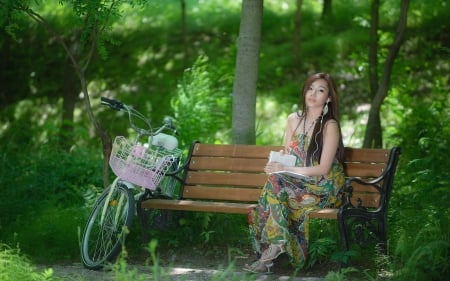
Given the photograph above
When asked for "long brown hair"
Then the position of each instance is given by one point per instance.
(316, 143)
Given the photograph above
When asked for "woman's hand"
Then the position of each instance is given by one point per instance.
(273, 167)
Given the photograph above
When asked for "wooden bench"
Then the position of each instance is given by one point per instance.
(228, 179)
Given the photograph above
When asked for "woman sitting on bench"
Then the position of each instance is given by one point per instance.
(279, 224)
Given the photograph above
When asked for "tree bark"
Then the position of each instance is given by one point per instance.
(373, 48)
(326, 11)
(373, 135)
(71, 88)
(184, 32)
(246, 73)
(297, 35)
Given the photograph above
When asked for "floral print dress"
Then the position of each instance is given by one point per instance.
(285, 202)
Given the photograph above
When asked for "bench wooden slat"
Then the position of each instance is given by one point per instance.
(366, 155)
(364, 170)
(227, 164)
(324, 214)
(200, 206)
(221, 150)
(221, 193)
(226, 179)
(220, 207)
(370, 200)
(357, 187)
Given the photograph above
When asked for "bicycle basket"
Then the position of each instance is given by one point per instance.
(140, 165)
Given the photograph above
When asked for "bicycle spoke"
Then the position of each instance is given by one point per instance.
(104, 232)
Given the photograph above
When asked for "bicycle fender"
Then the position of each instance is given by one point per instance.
(129, 185)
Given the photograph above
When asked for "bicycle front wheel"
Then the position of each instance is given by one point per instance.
(107, 225)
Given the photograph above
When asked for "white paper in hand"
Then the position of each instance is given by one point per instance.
(285, 159)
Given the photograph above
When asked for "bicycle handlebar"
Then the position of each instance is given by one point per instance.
(119, 106)
(116, 105)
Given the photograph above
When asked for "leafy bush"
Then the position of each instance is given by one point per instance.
(202, 104)
(419, 216)
(206, 229)
(57, 231)
(15, 266)
(46, 190)
(423, 257)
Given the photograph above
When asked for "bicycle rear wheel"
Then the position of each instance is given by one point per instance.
(107, 225)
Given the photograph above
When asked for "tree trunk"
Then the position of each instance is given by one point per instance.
(373, 49)
(373, 135)
(326, 11)
(297, 33)
(71, 88)
(184, 33)
(99, 130)
(246, 73)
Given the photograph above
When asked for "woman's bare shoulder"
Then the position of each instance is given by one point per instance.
(294, 115)
(331, 125)
(331, 121)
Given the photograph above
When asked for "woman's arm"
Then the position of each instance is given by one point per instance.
(330, 144)
(291, 126)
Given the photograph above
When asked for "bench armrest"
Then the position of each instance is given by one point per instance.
(348, 188)
(180, 172)
(382, 183)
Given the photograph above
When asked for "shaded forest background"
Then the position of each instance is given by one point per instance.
(164, 64)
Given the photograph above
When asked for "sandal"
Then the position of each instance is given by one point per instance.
(259, 267)
(272, 252)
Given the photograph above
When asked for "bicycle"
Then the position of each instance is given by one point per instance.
(152, 168)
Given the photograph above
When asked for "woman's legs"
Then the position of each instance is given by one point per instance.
(269, 225)
(281, 220)
(268, 221)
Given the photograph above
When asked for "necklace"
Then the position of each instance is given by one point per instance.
(305, 132)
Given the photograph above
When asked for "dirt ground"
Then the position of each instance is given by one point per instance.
(193, 264)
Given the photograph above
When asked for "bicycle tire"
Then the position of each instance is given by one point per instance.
(103, 238)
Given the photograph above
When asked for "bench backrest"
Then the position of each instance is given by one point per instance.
(235, 172)
(226, 172)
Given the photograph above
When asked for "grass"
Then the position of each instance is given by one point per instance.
(15, 266)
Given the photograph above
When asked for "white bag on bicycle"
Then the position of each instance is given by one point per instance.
(167, 141)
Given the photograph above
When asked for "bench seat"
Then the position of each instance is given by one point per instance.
(220, 207)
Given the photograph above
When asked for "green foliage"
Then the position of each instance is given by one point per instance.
(202, 104)
(15, 266)
(340, 275)
(419, 213)
(320, 250)
(46, 187)
(123, 273)
(325, 244)
(56, 229)
(49, 177)
(207, 229)
(424, 177)
(423, 256)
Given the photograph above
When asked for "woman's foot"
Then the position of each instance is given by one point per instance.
(259, 267)
(272, 252)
